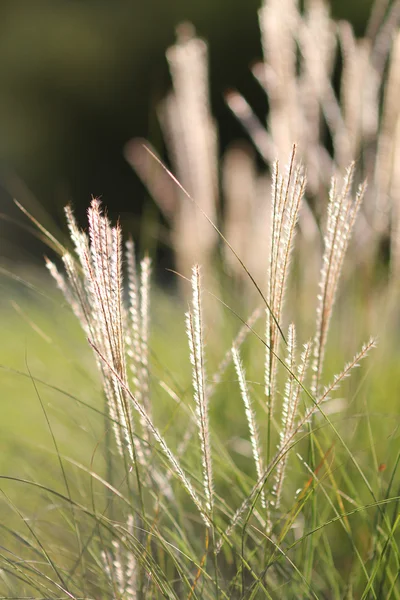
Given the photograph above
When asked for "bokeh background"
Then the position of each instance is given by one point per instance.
(80, 78)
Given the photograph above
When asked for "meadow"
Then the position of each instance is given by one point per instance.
(236, 436)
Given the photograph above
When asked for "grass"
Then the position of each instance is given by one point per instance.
(119, 517)
(220, 442)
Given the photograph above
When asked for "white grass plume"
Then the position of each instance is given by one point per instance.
(94, 291)
(194, 329)
(342, 213)
(346, 371)
(287, 193)
(251, 419)
(137, 332)
(192, 136)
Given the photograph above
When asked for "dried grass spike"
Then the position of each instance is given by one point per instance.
(194, 329)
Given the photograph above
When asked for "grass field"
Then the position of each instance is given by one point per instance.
(68, 495)
(220, 441)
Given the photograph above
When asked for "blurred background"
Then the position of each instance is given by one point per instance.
(80, 78)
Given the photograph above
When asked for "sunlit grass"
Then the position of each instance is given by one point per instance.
(41, 341)
(134, 466)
